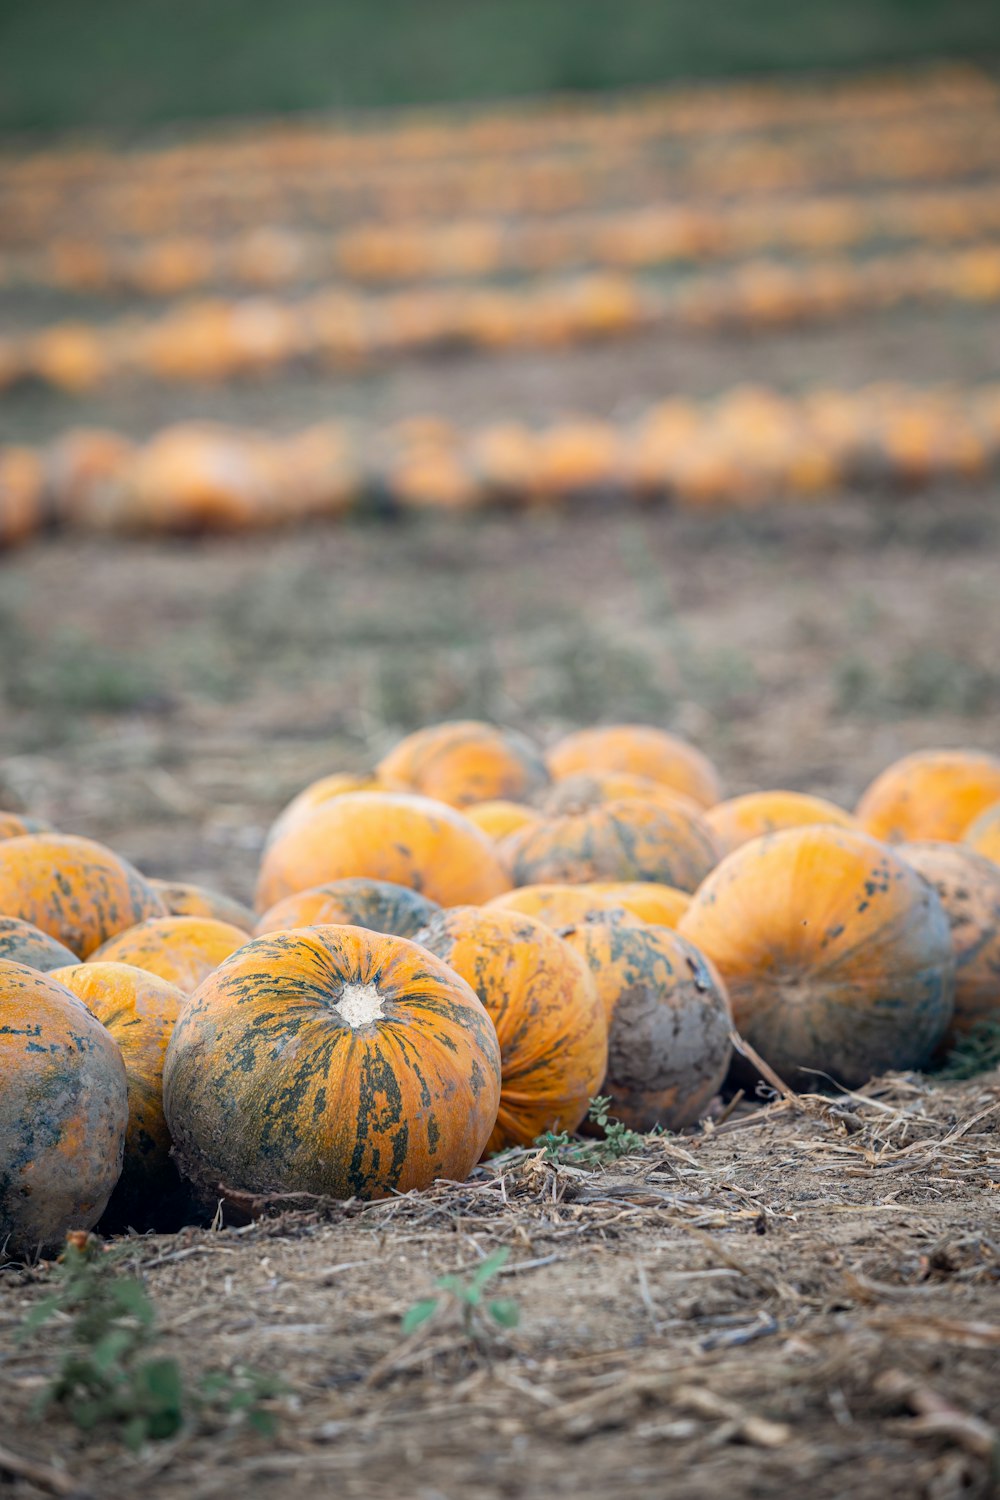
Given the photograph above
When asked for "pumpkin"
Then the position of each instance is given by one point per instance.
(377, 905)
(75, 889)
(182, 899)
(465, 762)
(587, 789)
(933, 794)
(668, 1020)
(331, 1060)
(749, 817)
(641, 751)
(318, 792)
(497, 819)
(983, 833)
(558, 906)
(549, 1021)
(13, 826)
(394, 836)
(83, 468)
(22, 486)
(182, 950)
(63, 1112)
(968, 887)
(663, 905)
(23, 943)
(620, 841)
(139, 1010)
(835, 952)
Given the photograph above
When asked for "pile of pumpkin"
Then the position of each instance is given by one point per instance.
(936, 147)
(747, 448)
(453, 955)
(689, 232)
(221, 340)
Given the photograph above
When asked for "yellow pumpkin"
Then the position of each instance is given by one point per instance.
(465, 762)
(641, 751)
(393, 836)
(968, 887)
(663, 905)
(628, 840)
(983, 833)
(497, 819)
(932, 794)
(749, 817)
(182, 950)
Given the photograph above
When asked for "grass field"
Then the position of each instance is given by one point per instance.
(119, 66)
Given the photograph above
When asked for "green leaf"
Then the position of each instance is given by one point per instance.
(490, 1267)
(419, 1314)
(504, 1312)
(264, 1422)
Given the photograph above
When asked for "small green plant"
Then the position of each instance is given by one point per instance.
(976, 1051)
(480, 1315)
(618, 1140)
(108, 1374)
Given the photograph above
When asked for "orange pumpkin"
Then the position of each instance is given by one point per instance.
(587, 789)
(983, 833)
(331, 1060)
(835, 952)
(394, 836)
(139, 1010)
(620, 841)
(23, 943)
(75, 889)
(668, 1021)
(663, 905)
(182, 950)
(182, 899)
(968, 887)
(316, 794)
(749, 817)
(558, 906)
(641, 751)
(933, 794)
(550, 1023)
(63, 1112)
(377, 905)
(497, 819)
(22, 485)
(466, 762)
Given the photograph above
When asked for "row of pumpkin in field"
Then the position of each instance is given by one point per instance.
(745, 449)
(938, 148)
(218, 340)
(490, 246)
(530, 126)
(454, 954)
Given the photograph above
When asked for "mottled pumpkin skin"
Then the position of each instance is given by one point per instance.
(22, 943)
(497, 819)
(934, 794)
(624, 841)
(377, 905)
(668, 1021)
(394, 836)
(466, 762)
(983, 833)
(584, 790)
(558, 906)
(339, 784)
(550, 1022)
(641, 751)
(75, 889)
(182, 899)
(835, 952)
(331, 1060)
(182, 950)
(741, 819)
(663, 905)
(63, 1112)
(139, 1010)
(968, 887)
(13, 826)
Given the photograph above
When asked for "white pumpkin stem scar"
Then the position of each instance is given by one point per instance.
(360, 1005)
